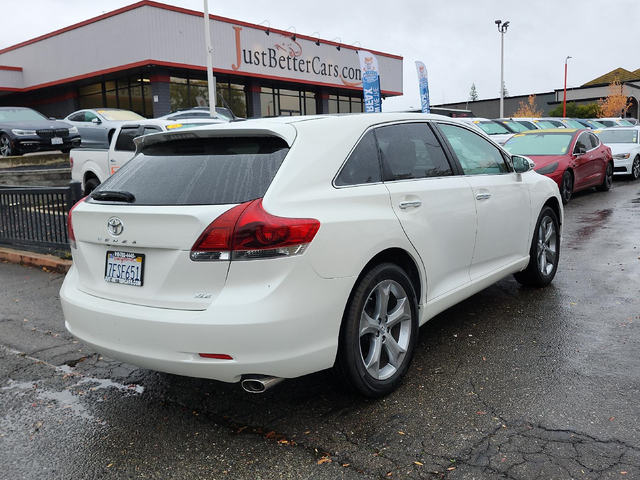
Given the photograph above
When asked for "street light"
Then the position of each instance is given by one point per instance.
(502, 29)
(564, 102)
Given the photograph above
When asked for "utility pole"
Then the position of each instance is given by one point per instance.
(502, 29)
(211, 80)
(564, 102)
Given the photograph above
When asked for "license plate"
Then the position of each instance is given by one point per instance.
(56, 141)
(124, 267)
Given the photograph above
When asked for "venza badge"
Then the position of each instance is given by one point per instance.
(115, 226)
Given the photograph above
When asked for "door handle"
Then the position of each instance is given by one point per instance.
(112, 160)
(411, 204)
(483, 196)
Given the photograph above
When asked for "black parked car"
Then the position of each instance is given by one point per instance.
(24, 130)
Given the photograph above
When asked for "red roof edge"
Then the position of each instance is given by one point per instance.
(12, 69)
(151, 3)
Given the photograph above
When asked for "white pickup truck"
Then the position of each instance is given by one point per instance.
(91, 167)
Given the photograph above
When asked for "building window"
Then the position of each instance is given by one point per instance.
(127, 93)
(280, 101)
(235, 96)
(345, 104)
(194, 92)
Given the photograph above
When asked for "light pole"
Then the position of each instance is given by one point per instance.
(502, 28)
(564, 102)
(211, 80)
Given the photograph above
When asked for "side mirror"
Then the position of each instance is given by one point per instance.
(96, 121)
(522, 164)
(580, 151)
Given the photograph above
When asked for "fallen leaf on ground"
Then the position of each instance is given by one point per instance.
(451, 468)
(418, 463)
(324, 460)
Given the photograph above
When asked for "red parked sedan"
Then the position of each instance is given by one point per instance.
(575, 159)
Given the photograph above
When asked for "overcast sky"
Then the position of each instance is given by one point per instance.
(456, 39)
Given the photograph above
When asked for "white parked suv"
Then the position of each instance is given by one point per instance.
(268, 249)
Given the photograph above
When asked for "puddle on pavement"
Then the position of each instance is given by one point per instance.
(594, 221)
(69, 397)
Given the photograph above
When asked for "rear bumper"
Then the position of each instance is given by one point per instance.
(287, 328)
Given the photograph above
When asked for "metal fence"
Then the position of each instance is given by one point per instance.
(36, 217)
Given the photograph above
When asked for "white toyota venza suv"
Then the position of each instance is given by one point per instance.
(272, 248)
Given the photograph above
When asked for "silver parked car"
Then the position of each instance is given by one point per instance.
(96, 126)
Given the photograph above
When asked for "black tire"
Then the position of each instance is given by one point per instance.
(6, 147)
(635, 168)
(538, 274)
(379, 343)
(90, 185)
(566, 187)
(607, 180)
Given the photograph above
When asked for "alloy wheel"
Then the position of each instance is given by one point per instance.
(635, 168)
(385, 329)
(567, 187)
(547, 246)
(609, 175)
(5, 146)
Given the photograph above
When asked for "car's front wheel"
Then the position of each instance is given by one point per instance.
(379, 332)
(607, 180)
(6, 148)
(544, 253)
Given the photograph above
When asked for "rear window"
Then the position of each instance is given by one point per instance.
(202, 171)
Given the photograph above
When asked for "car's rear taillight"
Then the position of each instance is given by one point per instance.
(71, 162)
(247, 231)
(71, 235)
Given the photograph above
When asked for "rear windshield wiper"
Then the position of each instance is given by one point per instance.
(113, 196)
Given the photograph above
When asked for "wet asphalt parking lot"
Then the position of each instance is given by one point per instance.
(514, 383)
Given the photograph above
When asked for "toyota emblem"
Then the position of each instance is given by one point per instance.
(115, 226)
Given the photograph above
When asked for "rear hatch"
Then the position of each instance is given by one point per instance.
(134, 234)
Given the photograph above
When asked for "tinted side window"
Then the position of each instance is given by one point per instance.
(476, 155)
(582, 142)
(363, 165)
(78, 117)
(125, 139)
(89, 116)
(411, 150)
(593, 140)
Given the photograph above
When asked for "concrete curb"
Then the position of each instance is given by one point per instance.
(50, 262)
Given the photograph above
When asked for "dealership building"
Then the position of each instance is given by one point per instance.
(150, 58)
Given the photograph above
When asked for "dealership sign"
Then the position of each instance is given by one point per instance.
(370, 82)
(423, 83)
(242, 49)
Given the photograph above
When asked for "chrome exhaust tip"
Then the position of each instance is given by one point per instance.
(259, 384)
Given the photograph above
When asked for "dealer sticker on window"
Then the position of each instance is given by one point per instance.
(124, 267)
